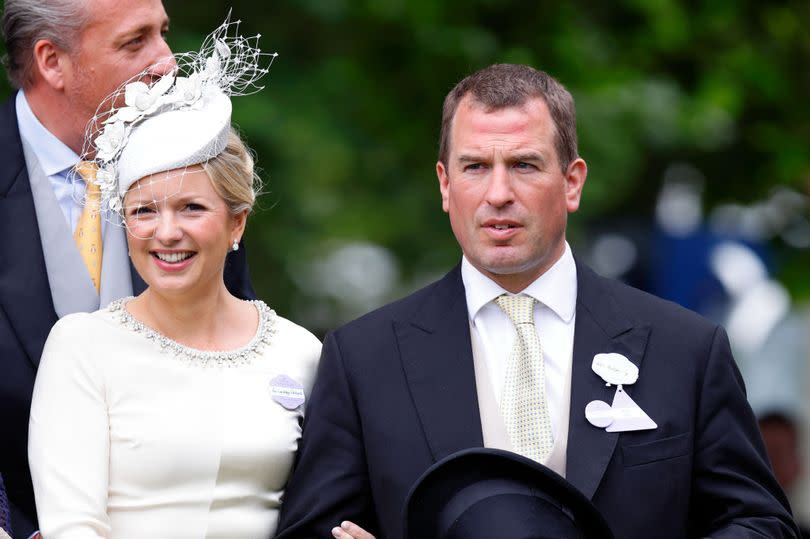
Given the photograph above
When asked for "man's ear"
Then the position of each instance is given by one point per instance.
(50, 63)
(574, 182)
(444, 185)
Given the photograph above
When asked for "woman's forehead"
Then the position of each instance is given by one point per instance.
(171, 183)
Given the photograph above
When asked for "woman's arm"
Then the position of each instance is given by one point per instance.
(68, 443)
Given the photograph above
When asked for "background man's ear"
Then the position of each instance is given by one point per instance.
(50, 63)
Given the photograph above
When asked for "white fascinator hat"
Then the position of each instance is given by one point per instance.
(179, 120)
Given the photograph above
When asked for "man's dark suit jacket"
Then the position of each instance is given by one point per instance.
(396, 392)
(27, 314)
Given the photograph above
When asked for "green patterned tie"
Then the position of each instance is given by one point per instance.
(523, 403)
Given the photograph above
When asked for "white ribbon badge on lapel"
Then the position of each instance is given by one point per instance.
(623, 414)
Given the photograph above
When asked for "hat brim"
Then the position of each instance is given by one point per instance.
(461, 480)
(176, 139)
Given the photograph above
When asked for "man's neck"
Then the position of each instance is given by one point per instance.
(51, 109)
(518, 281)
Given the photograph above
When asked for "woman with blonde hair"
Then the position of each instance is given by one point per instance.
(176, 413)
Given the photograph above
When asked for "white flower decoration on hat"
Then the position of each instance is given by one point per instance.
(181, 119)
(110, 141)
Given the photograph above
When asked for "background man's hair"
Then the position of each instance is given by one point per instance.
(510, 85)
(27, 21)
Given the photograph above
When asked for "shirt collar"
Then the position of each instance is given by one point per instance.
(556, 288)
(54, 156)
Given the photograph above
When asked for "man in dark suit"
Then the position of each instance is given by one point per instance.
(456, 364)
(65, 57)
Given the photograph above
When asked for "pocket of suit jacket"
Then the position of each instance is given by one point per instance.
(657, 450)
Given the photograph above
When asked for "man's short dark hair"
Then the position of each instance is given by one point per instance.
(501, 86)
(27, 21)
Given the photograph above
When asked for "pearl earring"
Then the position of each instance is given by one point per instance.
(235, 246)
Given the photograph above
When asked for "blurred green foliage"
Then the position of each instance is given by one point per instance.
(346, 129)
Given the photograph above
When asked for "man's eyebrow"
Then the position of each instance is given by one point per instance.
(529, 156)
(469, 158)
(129, 33)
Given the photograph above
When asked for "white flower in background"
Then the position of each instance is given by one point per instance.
(136, 94)
(105, 177)
(186, 89)
(162, 85)
(110, 141)
(107, 180)
(197, 105)
(212, 67)
(114, 203)
(124, 114)
(222, 49)
(145, 98)
(142, 100)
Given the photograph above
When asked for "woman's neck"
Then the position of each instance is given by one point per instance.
(205, 321)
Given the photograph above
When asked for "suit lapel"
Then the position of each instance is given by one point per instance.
(25, 294)
(436, 356)
(71, 288)
(601, 327)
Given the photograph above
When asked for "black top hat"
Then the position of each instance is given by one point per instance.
(490, 493)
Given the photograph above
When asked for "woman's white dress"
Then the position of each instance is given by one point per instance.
(133, 435)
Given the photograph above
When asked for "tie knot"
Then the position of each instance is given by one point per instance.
(87, 170)
(519, 309)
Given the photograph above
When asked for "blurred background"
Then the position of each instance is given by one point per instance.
(694, 118)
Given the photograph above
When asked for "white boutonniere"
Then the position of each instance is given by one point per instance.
(623, 414)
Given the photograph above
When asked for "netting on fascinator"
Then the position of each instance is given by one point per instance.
(168, 123)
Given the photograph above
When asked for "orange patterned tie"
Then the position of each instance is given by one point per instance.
(88, 230)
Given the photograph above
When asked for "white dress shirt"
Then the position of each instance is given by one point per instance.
(57, 162)
(554, 317)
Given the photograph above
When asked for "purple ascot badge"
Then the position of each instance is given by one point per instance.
(287, 392)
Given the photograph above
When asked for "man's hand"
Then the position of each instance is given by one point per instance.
(350, 530)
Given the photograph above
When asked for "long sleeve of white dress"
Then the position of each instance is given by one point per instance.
(69, 438)
(134, 436)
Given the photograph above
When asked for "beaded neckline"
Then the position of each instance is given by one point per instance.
(205, 358)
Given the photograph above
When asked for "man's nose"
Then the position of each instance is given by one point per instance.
(499, 189)
(163, 60)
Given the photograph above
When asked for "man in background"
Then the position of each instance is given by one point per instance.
(65, 57)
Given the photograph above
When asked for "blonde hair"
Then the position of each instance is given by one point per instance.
(233, 175)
